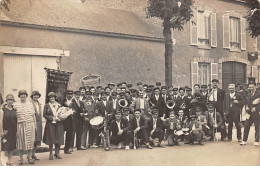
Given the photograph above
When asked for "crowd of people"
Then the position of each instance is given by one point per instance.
(145, 115)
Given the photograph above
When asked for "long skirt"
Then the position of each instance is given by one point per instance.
(25, 136)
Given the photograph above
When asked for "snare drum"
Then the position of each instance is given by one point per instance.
(97, 122)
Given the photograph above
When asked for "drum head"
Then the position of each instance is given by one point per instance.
(96, 120)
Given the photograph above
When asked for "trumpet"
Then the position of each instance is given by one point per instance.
(183, 106)
(170, 104)
(123, 103)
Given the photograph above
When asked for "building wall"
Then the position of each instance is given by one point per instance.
(184, 53)
(115, 59)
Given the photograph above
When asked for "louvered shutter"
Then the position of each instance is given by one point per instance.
(213, 26)
(226, 31)
(255, 72)
(194, 73)
(243, 33)
(214, 71)
(193, 28)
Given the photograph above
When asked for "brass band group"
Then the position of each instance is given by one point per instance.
(128, 117)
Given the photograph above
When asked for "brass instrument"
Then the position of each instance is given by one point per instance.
(215, 125)
(123, 103)
(151, 103)
(105, 135)
(183, 106)
(170, 104)
(135, 141)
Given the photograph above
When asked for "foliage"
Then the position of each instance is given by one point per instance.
(4, 4)
(253, 17)
(169, 11)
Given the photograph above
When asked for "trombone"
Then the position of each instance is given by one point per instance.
(215, 125)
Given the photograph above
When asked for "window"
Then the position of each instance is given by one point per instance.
(203, 28)
(234, 33)
(204, 73)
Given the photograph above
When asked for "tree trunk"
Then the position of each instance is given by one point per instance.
(168, 55)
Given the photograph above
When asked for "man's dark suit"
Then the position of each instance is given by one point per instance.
(124, 137)
(158, 132)
(101, 108)
(159, 104)
(232, 112)
(68, 127)
(221, 127)
(142, 133)
(254, 116)
(77, 121)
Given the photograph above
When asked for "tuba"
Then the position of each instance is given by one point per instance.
(123, 103)
(170, 104)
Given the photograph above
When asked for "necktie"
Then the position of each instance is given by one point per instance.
(154, 123)
(138, 120)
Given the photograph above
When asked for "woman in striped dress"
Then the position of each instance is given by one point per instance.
(25, 126)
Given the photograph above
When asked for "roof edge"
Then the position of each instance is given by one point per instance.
(83, 31)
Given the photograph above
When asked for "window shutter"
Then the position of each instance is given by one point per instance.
(193, 28)
(255, 72)
(258, 43)
(243, 33)
(214, 71)
(226, 32)
(213, 26)
(194, 73)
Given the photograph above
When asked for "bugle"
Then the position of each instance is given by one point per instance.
(170, 104)
(123, 103)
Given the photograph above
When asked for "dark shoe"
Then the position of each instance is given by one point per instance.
(149, 147)
(201, 143)
(9, 164)
(160, 145)
(51, 157)
(57, 156)
(35, 158)
(131, 145)
(20, 162)
(229, 139)
(67, 152)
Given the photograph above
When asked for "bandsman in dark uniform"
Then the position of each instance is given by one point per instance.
(252, 108)
(120, 131)
(155, 127)
(68, 123)
(172, 126)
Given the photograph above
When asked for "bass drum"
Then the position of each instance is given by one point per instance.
(97, 122)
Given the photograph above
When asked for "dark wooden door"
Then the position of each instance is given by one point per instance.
(233, 72)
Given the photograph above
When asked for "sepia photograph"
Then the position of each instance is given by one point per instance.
(129, 83)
